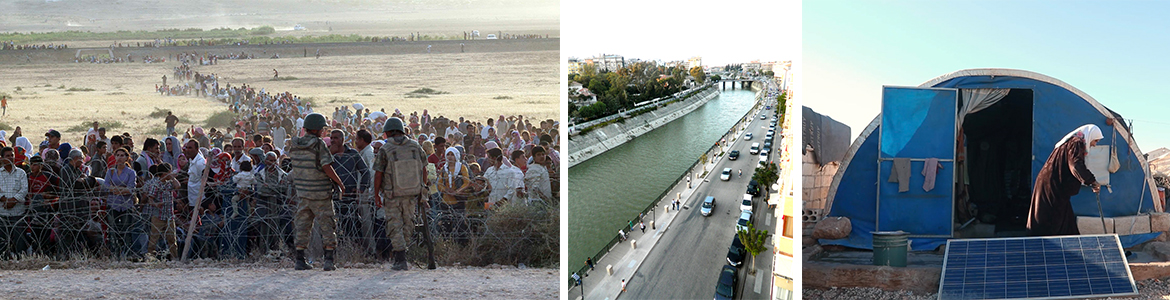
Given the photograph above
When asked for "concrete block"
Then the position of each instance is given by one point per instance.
(1092, 225)
(1132, 224)
(634, 244)
(1159, 222)
(609, 269)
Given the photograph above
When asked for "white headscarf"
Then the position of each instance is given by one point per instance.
(1089, 132)
(24, 143)
(458, 164)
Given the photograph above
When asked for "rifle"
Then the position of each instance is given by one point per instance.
(430, 243)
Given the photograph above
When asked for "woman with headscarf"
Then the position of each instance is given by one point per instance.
(516, 142)
(15, 134)
(24, 143)
(171, 150)
(222, 167)
(454, 179)
(1051, 213)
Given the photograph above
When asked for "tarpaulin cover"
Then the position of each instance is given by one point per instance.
(917, 124)
(1056, 111)
(829, 138)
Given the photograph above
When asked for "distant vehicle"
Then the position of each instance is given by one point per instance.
(753, 188)
(708, 206)
(755, 149)
(475, 33)
(747, 136)
(733, 155)
(746, 205)
(298, 27)
(726, 175)
(735, 252)
(744, 218)
(725, 288)
(491, 36)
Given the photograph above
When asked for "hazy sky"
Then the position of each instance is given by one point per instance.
(721, 32)
(1115, 51)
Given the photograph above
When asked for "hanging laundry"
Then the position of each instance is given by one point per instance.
(900, 173)
(930, 170)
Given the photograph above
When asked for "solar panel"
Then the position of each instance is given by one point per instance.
(1055, 267)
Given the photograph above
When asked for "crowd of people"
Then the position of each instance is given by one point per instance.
(10, 45)
(107, 195)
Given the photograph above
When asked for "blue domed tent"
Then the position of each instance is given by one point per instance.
(999, 125)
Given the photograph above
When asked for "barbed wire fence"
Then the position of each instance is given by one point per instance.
(75, 219)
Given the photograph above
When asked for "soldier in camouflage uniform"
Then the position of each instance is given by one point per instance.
(400, 173)
(314, 179)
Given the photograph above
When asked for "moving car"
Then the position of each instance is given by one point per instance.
(733, 155)
(735, 252)
(708, 206)
(747, 136)
(744, 218)
(725, 288)
(747, 203)
(755, 149)
(726, 175)
(491, 36)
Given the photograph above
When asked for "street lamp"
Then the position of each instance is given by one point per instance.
(653, 218)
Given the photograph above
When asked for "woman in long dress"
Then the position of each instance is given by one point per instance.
(1062, 176)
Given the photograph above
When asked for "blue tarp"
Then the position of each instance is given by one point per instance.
(1056, 111)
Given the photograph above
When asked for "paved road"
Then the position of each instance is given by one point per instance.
(685, 263)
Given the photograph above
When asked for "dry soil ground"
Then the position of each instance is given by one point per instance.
(375, 282)
(507, 77)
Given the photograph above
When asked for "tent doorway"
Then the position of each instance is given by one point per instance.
(998, 146)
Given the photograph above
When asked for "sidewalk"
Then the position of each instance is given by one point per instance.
(626, 259)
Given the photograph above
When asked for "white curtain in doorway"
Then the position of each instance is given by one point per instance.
(975, 100)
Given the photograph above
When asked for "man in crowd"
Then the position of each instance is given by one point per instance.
(355, 175)
(13, 189)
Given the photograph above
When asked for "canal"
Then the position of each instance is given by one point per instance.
(605, 192)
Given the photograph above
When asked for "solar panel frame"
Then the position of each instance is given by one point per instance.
(1004, 267)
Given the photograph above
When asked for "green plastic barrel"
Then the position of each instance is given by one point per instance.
(890, 248)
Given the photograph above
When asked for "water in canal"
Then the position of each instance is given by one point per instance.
(607, 191)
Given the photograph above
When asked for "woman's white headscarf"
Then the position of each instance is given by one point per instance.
(24, 143)
(458, 164)
(1089, 132)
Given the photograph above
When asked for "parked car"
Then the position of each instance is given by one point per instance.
(708, 206)
(726, 175)
(744, 218)
(491, 36)
(747, 203)
(725, 288)
(767, 145)
(733, 155)
(755, 149)
(735, 253)
(753, 188)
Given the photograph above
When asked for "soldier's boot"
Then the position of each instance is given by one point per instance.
(400, 261)
(329, 260)
(299, 259)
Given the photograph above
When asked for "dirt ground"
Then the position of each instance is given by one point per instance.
(1147, 289)
(370, 282)
(486, 78)
(477, 85)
